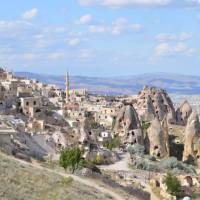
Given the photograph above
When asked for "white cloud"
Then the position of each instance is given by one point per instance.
(162, 37)
(30, 14)
(74, 41)
(15, 27)
(122, 25)
(165, 49)
(165, 37)
(86, 54)
(185, 36)
(119, 26)
(98, 29)
(140, 3)
(56, 55)
(121, 3)
(180, 47)
(28, 56)
(85, 19)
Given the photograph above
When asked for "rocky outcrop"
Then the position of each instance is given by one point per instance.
(157, 135)
(192, 140)
(102, 156)
(127, 125)
(127, 119)
(183, 113)
(153, 102)
(87, 138)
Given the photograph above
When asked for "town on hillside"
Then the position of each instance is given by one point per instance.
(140, 142)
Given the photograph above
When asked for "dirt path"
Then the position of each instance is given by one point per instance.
(87, 182)
(121, 165)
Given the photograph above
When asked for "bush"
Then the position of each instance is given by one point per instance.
(136, 149)
(173, 163)
(95, 125)
(114, 143)
(70, 158)
(148, 163)
(98, 159)
(144, 164)
(169, 163)
(173, 184)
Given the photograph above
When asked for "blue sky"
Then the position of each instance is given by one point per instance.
(100, 37)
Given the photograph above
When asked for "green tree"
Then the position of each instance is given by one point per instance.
(173, 184)
(70, 158)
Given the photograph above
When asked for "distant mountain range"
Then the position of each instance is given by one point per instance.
(173, 83)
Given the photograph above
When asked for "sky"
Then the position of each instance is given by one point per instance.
(100, 37)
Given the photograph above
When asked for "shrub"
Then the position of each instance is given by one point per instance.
(70, 158)
(169, 163)
(95, 125)
(173, 163)
(98, 159)
(144, 164)
(114, 143)
(136, 149)
(173, 184)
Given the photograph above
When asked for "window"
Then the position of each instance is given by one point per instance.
(27, 103)
(34, 103)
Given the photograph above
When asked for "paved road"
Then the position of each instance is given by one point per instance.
(87, 182)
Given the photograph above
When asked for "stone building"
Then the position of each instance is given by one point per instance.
(30, 106)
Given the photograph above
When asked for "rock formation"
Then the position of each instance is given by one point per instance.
(183, 113)
(87, 137)
(127, 125)
(153, 102)
(158, 138)
(127, 119)
(192, 139)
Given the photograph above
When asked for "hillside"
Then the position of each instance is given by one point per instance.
(173, 83)
(20, 181)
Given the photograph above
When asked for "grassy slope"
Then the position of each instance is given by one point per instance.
(24, 182)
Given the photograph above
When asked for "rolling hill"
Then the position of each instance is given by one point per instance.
(173, 83)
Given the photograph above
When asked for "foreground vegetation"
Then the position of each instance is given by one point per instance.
(25, 182)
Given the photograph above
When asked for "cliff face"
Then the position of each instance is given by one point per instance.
(158, 139)
(192, 139)
(153, 102)
(128, 126)
(183, 113)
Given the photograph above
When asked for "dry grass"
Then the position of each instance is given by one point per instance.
(24, 182)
